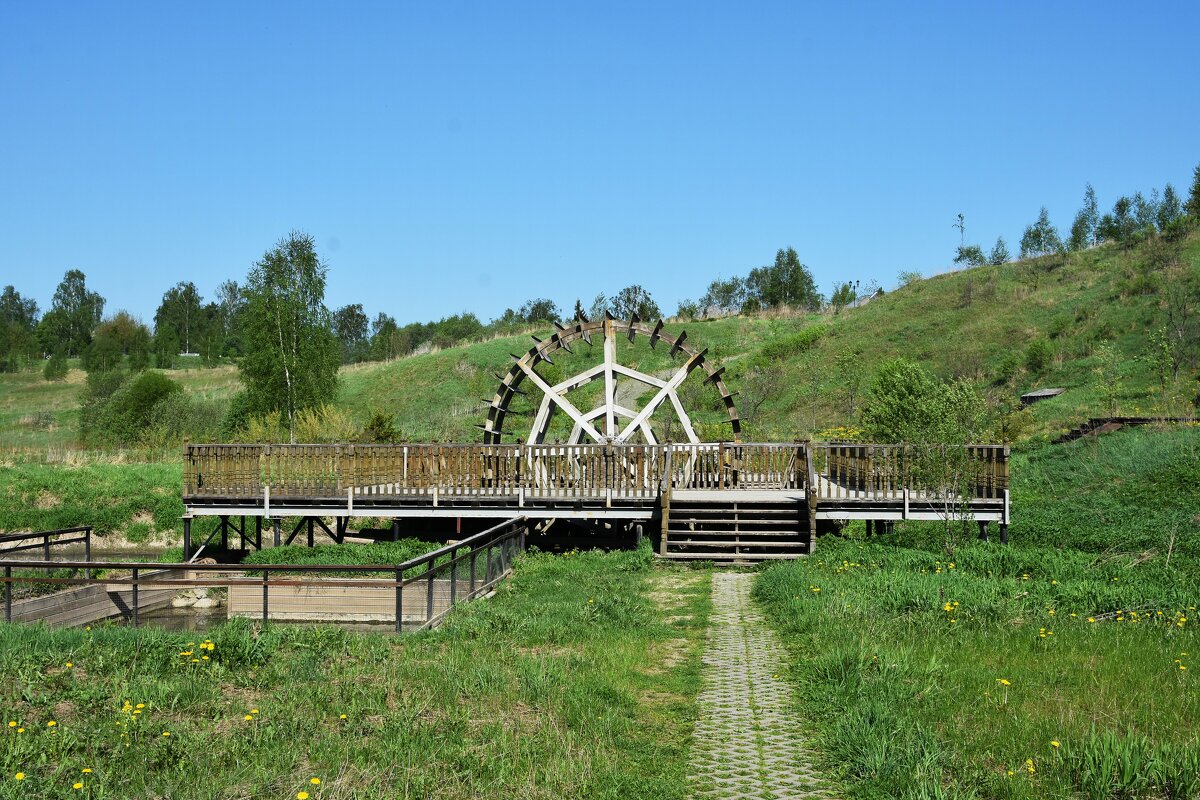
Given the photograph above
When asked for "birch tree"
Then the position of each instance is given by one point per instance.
(292, 356)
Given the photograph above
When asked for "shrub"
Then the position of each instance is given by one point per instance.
(786, 347)
(1038, 356)
(127, 413)
(56, 366)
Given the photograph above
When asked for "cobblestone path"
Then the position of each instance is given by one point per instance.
(748, 742)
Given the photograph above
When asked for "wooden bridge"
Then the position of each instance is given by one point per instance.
(719, 501)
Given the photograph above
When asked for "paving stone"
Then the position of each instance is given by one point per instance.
(748, 740)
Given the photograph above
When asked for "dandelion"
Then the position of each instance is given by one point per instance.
(248, 718)
(1004, 681)
(12, 723)
(1091, 619)
(315, 781)
(301, 795)
(1055, 743)
(69, 665)
(77, 785)
(254, 711)
(86, 770)
(51, 724)
(1029, 766)
(20, 776)
(343, 716)
(166, 733)
(20, 730)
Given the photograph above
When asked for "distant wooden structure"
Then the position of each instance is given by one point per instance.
(719, 501)
(724, 501)
(1029, 398)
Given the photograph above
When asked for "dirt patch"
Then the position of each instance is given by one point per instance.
(670, 588)
(47, 500)
(667, 655)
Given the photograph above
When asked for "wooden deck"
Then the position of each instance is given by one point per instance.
(842, 481)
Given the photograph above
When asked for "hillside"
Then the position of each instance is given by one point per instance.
(978, 323)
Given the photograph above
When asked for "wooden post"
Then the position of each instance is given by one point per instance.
(310, 531)
(225, 532)
(395, 529)
(983, 530)
(258, 533)
(187, 538)
(135, 597)
(275, 530)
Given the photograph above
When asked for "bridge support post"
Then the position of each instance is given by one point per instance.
(275, 530)
(395, 529)
(224, 532)
(983, 530)
(187, 538)
(1003, 533)
(310, 531)
(258, 533)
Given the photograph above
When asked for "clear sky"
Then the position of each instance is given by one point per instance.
(452, 156)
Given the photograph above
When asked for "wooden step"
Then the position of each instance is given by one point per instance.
(748, 558)
(731, 532)
(741, 518)
(790, 545)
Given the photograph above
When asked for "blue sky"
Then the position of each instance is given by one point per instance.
(468, 156)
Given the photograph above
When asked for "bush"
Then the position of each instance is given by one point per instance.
(786, 347)
(1038, 355)
(120, 413)
(56, 367)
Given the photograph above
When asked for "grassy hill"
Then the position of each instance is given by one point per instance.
(1092, 314)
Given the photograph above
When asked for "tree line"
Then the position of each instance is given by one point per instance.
(1133, 219)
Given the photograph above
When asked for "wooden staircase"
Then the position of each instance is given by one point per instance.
(739, 531)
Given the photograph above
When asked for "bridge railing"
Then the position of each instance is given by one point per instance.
(589, 471)
(888, 471)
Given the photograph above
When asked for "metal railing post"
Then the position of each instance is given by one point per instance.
(399, 600)
(135, 597)
(429, 596)
(87, 550)
(8, 592)
(473, 552)
(453, 578)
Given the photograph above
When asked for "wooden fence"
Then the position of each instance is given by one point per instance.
(590, 471)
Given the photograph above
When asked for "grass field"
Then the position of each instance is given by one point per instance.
(1062, 663)
(571, 682)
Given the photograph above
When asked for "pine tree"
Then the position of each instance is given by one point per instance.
(999, 254)
(1169, 209)
(1192, 207)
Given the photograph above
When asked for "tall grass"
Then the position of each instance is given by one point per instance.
(553, 688)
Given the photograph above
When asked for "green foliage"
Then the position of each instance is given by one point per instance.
(898, 654)
(1192, 206)
(787, 282)
(291, 355)
(970, 255)
(999, 254)
(1038, 356)
(56, 366)
(350, 325)
(377, 553)
(907, 404)
(540, 691)
(122, 415)
(74, 313)
(1040, 238)
(380, 428)
(18, 326)
(786, 347)
(908, 277)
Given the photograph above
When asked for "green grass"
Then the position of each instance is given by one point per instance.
(1084, 614)
(137, 501)
(975, 323)
(554, 688)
